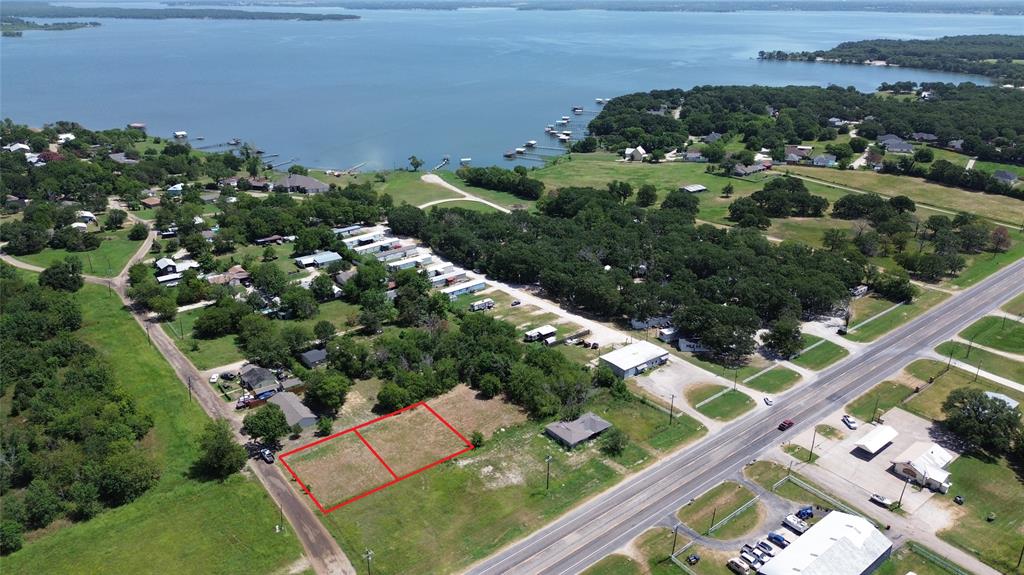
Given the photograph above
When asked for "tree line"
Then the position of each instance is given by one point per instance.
(516, 181)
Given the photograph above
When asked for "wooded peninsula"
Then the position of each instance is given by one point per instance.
(43, 10)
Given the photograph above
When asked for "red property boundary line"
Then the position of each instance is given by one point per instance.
(355, 429)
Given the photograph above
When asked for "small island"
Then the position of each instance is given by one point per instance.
(13, 27)
(21, 10)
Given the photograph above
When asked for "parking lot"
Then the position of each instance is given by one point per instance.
(857, 475)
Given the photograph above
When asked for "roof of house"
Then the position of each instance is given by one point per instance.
(927, 458)
(838, 544)
(299, 181)
(877, 438)
(1011, 402)
(713, 137)
(1005, 176)
(751, 169)
(634, 354)
(254, 374)
(889, 138)
(898, 146)
(150, 202)
(580, 429)
(825, 159)
(313, 357)
(924, 136)
(291, 405)
(793, 158)
(120, 158)
(291, 383)
(165, 263)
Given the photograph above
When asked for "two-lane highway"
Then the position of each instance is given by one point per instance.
(606, 522)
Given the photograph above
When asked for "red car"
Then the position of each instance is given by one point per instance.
(785, 425)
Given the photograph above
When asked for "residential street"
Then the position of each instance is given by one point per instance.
(610, 520)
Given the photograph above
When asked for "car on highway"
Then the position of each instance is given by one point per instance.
(267, 455)
(881, 500)
(850, 422)
(214, 378)
(786, 424)
(768, 401)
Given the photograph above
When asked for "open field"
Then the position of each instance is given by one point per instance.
(987, 205)
(211, 352)
(823, 354)
(182, 525)
(867, 307)
(800, 453)
(924, 301)
(991, 167)
(465, 205)
(283, 259)
(997, 333)
(980, 266)
(105, 261)
(729, 405)
(777, 380)
(1015, 305)
(715, 505)
(412, 440)
(649, 556)
(988, 487)
(647, 425)
(755, 364)
(615, 564)
(988, 361)
(338, 469)
(928, 403)
(878, 399)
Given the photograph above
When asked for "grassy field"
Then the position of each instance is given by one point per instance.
(800, 453)
(652, 548)
(921, 191)
(905, 560)
(988, 361)
(980, 266)
(996, 333)
(615, 564)
(925, 300)
(466, 205)
(884, 396)
(828, 432)
(715, 505)
(105, 261)
(1015, 305)
(991, 167)
(500, 198)
(211, 352)
(729, 405)
(768, 473)
(777, 380)
(928, 403)
(754, 365)
(406, 187)
(866, 307)
(181, 525)
(283, 259)
(988, 487)
(823, 354)
(648, 425)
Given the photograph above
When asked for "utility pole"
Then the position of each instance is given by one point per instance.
(547, 482)
(813, 438)
(874, 412)
(950, 362)
(1019, 559)
(735, 374)
(978, 372)
(904, 490)
(675, 533)
(190, 389)
(671, 408)
(368, 555)
(971, 345)
(714, 513)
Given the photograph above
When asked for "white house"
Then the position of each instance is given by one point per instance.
(925, 463)
(65, 138)
(85, 216)
(636, 154)
(634, 358)
(17, 147)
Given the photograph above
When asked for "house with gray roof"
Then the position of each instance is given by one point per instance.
(254, 376)
(898, 147)
(1006, 177)
(294, 411)
(824, 161)
(572, 433)
(301, 184)
(313, 357)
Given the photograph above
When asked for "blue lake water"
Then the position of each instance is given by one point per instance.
(468, 83)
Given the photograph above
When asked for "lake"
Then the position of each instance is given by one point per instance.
(467, 83)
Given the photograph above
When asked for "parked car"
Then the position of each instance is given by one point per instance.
(693, 559)
(778, 540)
(594, 345)
(737, 566)
(850, 422)
(214, 378)
(228, 376)
(766, 547)
(516, 302)
(805, 512)
(768, 401)
(267, 455)
(786, 424)
(881, 500)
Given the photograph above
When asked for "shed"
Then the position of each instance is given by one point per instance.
(634, 358)
(313, 357)
(693, 188)
(572, 433)
(876, 439)
(294, 411)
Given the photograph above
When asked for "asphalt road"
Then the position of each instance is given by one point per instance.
(611, 519)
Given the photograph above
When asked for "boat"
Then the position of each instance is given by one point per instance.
(562, 122)
(201, 138)
(577, 110)
(567, 133)
(565, 118)
(564, 137)
(600, 101)
(510, 153)
(181, 135)
(531, 143)
(465, 161)
(520, 150)
(234, 142)
(550, 128)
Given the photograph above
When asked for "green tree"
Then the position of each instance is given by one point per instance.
(269, 254)
(322, 288)
(164, 307)
(267, 424)
(42, 505)
(270, 279)
(324, 426)
(603, 376)
(982, 422)
(219, 454)
(298, 169)
(10, 536)
(415, 163)
(477, 439)
(326, 391)
(324, 330)
(115, 219)
(834, 239)
(647, 195)
(924, 155)
(65, 275)
(299, 303)
(728, 190)
(139, 232)
(784, 338)
(252, 166)
(126, 474)
(614, 441)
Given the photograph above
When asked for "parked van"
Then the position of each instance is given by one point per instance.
(754, 562)
(737, 566)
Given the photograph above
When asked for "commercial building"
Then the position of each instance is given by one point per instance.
(924, 463)
(877, 439)
(572, 433)
(839, 544)
(319, 259)
(635, 358)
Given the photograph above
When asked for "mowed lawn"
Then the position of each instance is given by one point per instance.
(980, 266)
(928, 403)
(466, 205)
(991, 206)
(1015, 305)
(991, 362)
(105, 261)
(997, 333)
(878, 400)
(864, 332)
(181, 525)
(819, 353)
(501, 198)
(652, 548)
(717, 504)
(729, 405)
(774, 381)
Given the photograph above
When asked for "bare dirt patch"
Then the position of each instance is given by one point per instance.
(338, 469)
(412, 440)
(467, 412)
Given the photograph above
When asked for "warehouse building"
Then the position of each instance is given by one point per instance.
(839, 544)
(634, 359)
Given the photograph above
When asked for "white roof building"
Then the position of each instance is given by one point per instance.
(1009, 401)
(877, 438)
(925, 463)
(839, 544)
(64, 138)
(693, 188)
(635, 154)
(634, 358)
(17, 147)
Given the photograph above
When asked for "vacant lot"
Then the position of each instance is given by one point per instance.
(819, 353)
(105, 261)
(204, 353)
(879, 399)
(412, 440)
(871, 331)
(776, 380)
(729, 405)
(466, 205)
(648, 555)
(928, 403)
(990, 206)
(980, 266)
(997, 333)
(501, 198)
(717, 504)
(338, 469)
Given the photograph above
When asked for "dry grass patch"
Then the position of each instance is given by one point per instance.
(411, 440)
(468, 412)
(338, 469)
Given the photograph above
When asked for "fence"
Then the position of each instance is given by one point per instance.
(730, 516)
(835, 503)
(939, 561)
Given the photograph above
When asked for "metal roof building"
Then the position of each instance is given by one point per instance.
(839, 544)
(294, 410)
(877, 438)
(634, 358)
(572, 433)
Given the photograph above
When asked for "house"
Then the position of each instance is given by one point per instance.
(150, 202)
(824, 161)
(210, 197)
(254, 377)
(175, 190)
(65, 138)
(801, 151)
(836, 122)
(898, 147)
(120, 158)
(636, 154)
(884, 138)
(668, 334)
(236, 275)
(169, 280)
(925, 463)
(956, 145)
(712, 137)
(169, 266)
(657, 321)
(793, 159)
(923, 137)
(741, 170)
(342, 277)
(1009, 401)
(301, 184)
(80, 226)
(572, 433)
(471, 286)
(683, 344)
(292, 384)
(1008, 178)
(634, 358)
(18, 147)
(693, 188)
(877, 439)
(84, 216)
(838, 544)
(319, 259)
(694, 157)
(313, 357)
(295, 413)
